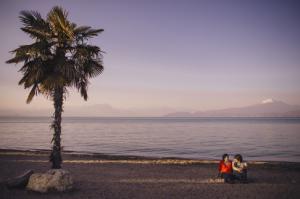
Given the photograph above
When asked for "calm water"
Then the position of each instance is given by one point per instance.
(204, 138)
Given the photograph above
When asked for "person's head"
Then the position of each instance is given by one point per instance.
(225, 157)
(238, 157)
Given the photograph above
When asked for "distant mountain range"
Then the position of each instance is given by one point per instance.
(96, 110)
(267, 108)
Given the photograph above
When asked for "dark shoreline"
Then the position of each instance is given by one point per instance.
(90, 155)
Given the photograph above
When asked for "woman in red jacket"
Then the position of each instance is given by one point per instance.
(225, 169)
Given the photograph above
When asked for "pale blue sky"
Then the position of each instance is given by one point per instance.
(192, 55)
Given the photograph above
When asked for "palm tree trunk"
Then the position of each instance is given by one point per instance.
(55, 156)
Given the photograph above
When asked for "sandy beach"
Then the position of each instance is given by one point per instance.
(103, 176)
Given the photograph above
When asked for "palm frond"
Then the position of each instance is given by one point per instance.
(93, 68)
(33, 68)
(68, 70)
(81, 29)
(92, 32)
(34, 24)
(82, 87)
(18, 58)
(86, 32)
(37, 49)
(32, 93)
(58, 19)
(32, 19)
(36, 33)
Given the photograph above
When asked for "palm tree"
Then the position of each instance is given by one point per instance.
(59, 58)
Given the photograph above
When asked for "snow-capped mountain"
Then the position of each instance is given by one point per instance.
(267, 108)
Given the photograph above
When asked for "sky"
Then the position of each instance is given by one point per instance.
(182, 55)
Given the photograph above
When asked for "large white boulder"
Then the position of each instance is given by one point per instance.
(54, 179)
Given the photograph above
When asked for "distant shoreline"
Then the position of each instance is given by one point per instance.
(161, 117)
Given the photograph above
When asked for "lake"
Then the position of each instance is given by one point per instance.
(273, 139)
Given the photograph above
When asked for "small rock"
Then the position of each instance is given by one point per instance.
(20, 181)
(54, 179)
